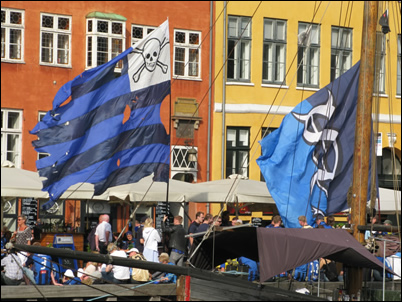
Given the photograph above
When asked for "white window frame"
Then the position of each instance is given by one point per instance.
(145, 31)
(188, 47)
(6, 132)
(111, 37)
(179, 160)
(274, 52)
(54, 42)
(240, 36)
(6, 28)
(308, 73)
(341, 50)
(381, 55)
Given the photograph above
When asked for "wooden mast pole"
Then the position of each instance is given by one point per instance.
(363, 134)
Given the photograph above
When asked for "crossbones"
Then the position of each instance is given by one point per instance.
(150, 53)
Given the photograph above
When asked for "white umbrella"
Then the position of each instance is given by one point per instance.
(148, 190)
(17, 182)
(231, 190)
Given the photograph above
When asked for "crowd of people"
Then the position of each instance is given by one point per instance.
(141, 243)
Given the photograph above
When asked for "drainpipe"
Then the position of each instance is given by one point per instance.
(223, 92)
(211, 15)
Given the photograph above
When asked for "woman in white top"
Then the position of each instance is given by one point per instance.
(151, 239)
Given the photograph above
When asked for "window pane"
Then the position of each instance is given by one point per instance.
(15, 44)
(15, 18)
(194, 38)
(103, 26)
(180, 37)
(232, 31)
(62, 49)
(13, 120)
(193, 62)
(117, 28)
(280, 30)
(47, 47)
(47, 21)
(243, 138)
(137, 32)
(243, 163)
(268, 29)
(64, 23)
(102, 51)
(179, 61)
(3, 42)
(245, 27)
(231, 138)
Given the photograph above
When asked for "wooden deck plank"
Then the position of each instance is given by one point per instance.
(83, 291)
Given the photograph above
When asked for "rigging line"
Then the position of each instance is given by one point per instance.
(392, 132)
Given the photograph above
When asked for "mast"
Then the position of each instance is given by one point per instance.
(363, 134)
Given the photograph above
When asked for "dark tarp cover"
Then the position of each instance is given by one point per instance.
(283, 249)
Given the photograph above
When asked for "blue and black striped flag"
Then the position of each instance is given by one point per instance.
(109, 132)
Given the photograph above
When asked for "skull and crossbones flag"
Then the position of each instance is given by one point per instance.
(307, 162)
(109, 131)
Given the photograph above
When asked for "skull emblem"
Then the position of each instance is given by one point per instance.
(151, 54)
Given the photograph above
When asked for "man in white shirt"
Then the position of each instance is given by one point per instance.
(103, 234)
(13, 270)
(115, 273)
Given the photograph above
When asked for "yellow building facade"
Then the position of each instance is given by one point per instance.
(258, 47)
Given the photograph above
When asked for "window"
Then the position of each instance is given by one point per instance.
(139, 32)
(105, 39)
(55, 40)
(187, 53)
(386, 165)
(308, 55)
(180, 161)
(237, 151)
(11, 132)
(239, 48)
(12, 35)
(379, 82)
(398, 63)
(341, 51)
(274, 52)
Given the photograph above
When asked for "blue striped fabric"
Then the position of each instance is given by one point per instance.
(88, 138)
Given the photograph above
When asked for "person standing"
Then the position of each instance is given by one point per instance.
(151, 239)
(208, 220)
(276, 222)
(199, 218)
(177, 242)
(103, 234)
(22, 235)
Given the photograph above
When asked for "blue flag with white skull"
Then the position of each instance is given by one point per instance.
(109, 132)
(307, 162)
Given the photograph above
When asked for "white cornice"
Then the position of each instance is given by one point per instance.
(283, 110)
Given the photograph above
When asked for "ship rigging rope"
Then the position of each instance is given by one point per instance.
(396, 188)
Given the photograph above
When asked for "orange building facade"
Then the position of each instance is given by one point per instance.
(45, 44)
